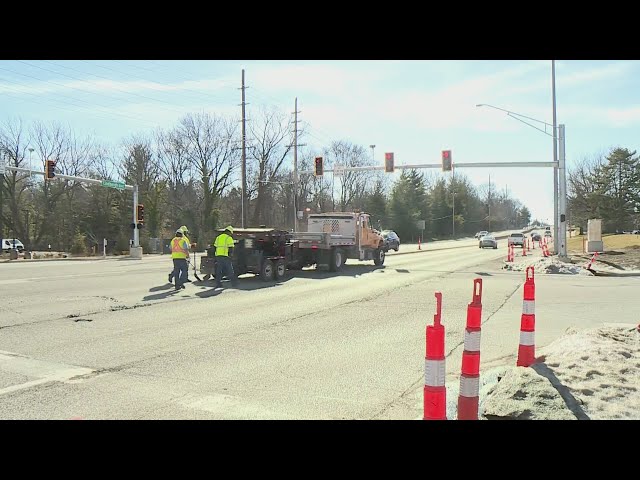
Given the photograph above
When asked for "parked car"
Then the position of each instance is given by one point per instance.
(536, 237)
(488, 240)
(516, 238)
(391, 240)
(547, 233)
(8, 245)
(481, 234)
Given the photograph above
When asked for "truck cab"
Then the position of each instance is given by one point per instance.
(333, 237)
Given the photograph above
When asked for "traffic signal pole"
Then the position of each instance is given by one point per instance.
(136, 233)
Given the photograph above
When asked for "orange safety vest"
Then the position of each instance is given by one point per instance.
(179, 248)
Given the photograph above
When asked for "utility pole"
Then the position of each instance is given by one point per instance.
(555, 158)
(295, 166)
(244, 157)
(2, 172)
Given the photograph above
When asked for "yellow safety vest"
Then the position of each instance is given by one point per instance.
(179, 248)
(223, 243)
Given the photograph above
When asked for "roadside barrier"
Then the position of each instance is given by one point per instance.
(526, 349)
(469, 395)
(435, 392)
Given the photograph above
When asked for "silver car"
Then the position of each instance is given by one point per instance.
(488, 241)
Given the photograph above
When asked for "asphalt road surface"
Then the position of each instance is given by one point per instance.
(110, 339)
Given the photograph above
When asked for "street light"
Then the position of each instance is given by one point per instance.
(560, 194)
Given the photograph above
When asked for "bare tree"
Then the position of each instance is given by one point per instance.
(272, 141)
(352, 185)
(13, 146)
(209, 147)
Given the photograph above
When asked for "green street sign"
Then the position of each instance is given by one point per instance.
(110, 184)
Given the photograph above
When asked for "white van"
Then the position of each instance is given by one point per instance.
(8, 245)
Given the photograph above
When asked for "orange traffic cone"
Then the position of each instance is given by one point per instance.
(419, 244)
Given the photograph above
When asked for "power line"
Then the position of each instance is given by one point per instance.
(105, 78)
(79, 100)
(199, 94)
(41, 101)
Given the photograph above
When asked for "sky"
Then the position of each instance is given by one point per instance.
(414, 109)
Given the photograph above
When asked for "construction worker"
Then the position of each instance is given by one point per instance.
(185, 232)
(180, 256)
(224, 248)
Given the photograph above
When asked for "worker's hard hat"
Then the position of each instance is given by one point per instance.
(230, 228)
(179, 231)
(184, 229)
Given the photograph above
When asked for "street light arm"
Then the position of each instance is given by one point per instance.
(533, 126)
(518, 114)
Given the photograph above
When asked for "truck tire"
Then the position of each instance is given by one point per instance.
(337, 260)
(280, 269)
(378, 257)
(267, 271)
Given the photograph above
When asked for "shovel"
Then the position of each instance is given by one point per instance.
(195, 261)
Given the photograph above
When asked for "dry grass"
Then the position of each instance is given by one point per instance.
(611, 242)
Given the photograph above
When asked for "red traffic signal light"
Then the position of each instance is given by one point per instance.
(50, 170)
(446, 160)
(318, 167)
(388, 162)
(140, 213)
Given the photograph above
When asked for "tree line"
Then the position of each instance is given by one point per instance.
(606, 187)
(190, 175)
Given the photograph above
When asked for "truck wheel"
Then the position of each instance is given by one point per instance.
(378, 258)
(266, 271)
(280, 269)
(337, 260)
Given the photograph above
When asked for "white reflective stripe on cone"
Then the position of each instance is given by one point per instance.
(527, 338)
(434, 371)
(529, 307)
(469, 386)
(472, 341)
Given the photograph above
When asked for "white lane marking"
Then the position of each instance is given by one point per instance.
(43, 371)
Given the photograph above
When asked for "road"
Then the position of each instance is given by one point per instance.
(110, 339)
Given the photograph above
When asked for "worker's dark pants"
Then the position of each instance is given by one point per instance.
(180, 270)
(224, 268)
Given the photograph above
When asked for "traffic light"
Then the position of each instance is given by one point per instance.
(50, 170)
(446, 160)
(140, 214)
(318, 170)
(388, 162)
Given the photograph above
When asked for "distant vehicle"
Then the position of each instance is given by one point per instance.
(516, 238)
(481, 234)
(636, 232)
(391, 240)
(536, 237)
(548, 229)
(8, 245)
(488, 240)
(547, 233)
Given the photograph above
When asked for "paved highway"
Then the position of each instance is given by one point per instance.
(110, 339)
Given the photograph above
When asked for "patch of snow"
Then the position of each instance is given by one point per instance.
(588, 374)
